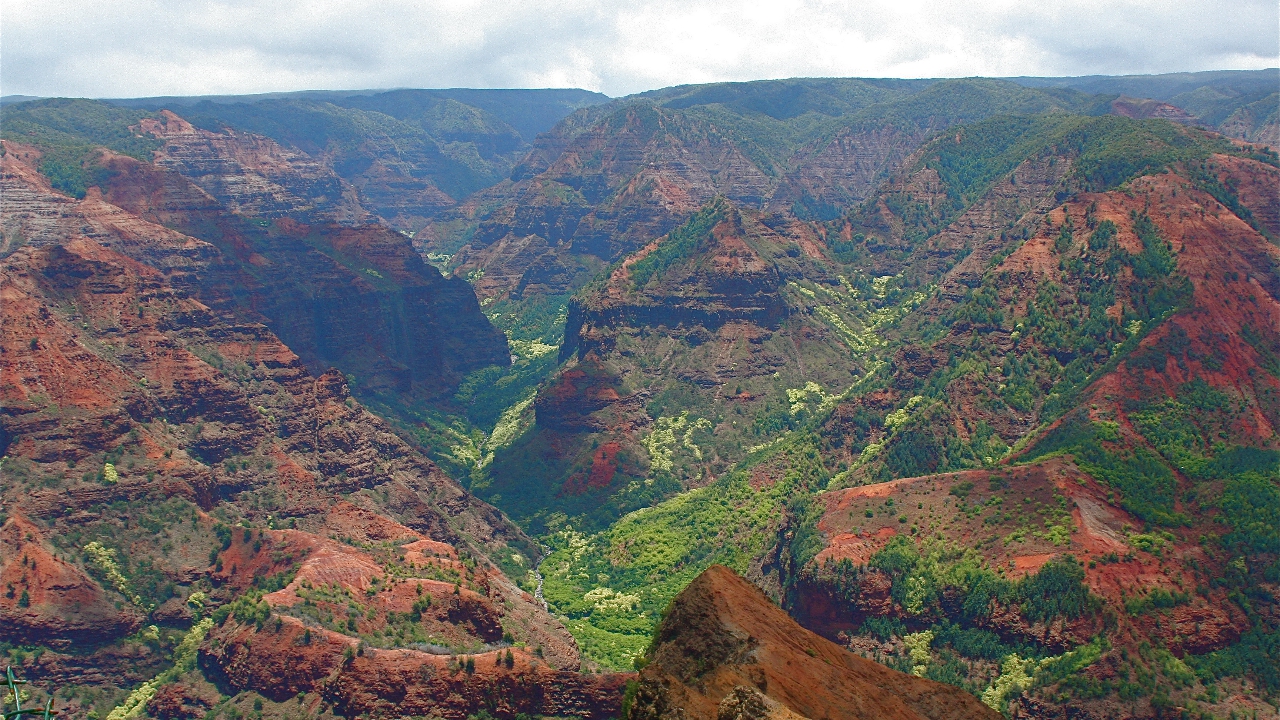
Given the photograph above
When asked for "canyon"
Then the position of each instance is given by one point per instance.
(795, 398)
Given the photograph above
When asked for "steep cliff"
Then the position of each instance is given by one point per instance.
(359, 298)
(397, 158)
(251, 175)
(994, 406)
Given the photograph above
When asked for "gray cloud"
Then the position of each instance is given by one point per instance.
(153, 47)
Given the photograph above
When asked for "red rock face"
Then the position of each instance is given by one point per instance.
(722, 634)
(389, 684)
(178, 702)
(1143, 109)
(283, 660)
(46, 600)
(571, 402)
(359, 298)
(107, 358)
(393, 173)
(252, 175)
(1232, 268)
(734, 275)
(283, 657)
(1098, 533)
(604, 465)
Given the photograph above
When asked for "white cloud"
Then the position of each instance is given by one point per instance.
(150, 47)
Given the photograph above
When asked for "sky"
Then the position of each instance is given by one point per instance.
(134, 48)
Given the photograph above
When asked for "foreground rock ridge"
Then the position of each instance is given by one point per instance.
(794, 399)
(724, 649)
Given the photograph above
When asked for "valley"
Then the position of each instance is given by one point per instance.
(510, 404)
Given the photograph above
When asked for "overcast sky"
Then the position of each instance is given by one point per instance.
(129, 48)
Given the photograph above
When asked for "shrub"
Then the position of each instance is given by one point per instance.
(1251, 505)
(883, 628)
(1057, 590)
(1102, 236)
(246, 609)
(1257, 655)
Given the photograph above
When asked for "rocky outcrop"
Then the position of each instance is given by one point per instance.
(573, 400)
(1145, 108)
(359, 298)
(749, 703)
(732, 272)
(723, 644)
(33, 212)
(391, 684)
(251, 174)
(179, 702)
(115, 664)
(450, 602)
(605, 192)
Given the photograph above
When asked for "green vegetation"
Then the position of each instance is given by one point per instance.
(1146, 483)
(1057, 590)
(104, 560)
(977, 643)
(933, 580)
(878, 369)
(1187, 430)
(1156, 600)
(534, 329)
(1266, 345)
(680, 244)
(613, 585)
(1204, 176)
(1113, 150)
(492, 407)
(1064, 337)
(924, 575)
(1257, 655)
(1250, 503)
(164, 524)
(67, 132)
(246, 608)
(184, 661)
(1065, 333)
(1105, 152)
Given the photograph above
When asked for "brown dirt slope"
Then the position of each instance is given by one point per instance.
(723, 636)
